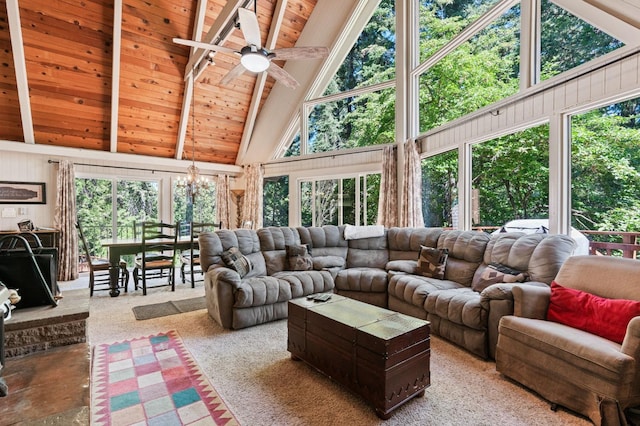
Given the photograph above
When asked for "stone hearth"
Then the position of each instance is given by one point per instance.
(40, 328)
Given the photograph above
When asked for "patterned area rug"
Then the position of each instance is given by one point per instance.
(152, 381)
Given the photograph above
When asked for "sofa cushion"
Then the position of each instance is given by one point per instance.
(460, 306)
(414, 289)
(298, 257)
(303, 283)
(404, 243)
(273, 242)
(593, 355)
(466, 251)
(498, 273)
(258, 291)
(237, 261)
(326, 262)
(327, 240)
(407, 266)
(603, 317)
(368, 252)
(432, 262)
(368, 280)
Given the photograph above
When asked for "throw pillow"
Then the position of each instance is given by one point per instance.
(299, 257)
(498, 273)
(235, 260)
(597, 315)
(432, 262)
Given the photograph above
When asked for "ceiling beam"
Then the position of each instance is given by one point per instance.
(626, 10)
(117, 158)
(258, 90)
(224, 19)
(201, 12)
(611, 24)
(115, 77)
(20, 64)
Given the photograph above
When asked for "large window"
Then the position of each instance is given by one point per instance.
(605, 170)
(567, 41)
(275, 210)
(477, 73)
(203, 208)
(135, 201)
(510, 178)
(354, 121)
(440, 190)
(358, 107)
(350, 200)
(441, 21)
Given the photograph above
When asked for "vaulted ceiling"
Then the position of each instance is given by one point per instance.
(105, 76)
(62, 85)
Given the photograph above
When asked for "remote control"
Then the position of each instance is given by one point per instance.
(322, 297)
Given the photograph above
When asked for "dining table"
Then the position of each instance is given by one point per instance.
(117, 248)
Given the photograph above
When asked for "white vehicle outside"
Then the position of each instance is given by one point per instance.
(541, 226)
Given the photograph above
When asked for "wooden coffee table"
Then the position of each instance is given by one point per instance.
(381, 355)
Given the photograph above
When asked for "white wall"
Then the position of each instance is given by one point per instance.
(21, 167)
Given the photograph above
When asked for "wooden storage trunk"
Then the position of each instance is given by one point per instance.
(383, 356)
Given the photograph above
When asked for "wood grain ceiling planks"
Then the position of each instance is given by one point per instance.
(69, 59)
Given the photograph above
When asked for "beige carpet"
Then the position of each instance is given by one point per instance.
(252, 371)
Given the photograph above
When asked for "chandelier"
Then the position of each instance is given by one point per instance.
(193, 182)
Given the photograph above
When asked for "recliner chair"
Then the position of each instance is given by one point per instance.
(567, 366)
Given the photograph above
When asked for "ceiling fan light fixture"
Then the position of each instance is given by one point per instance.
(253, 59)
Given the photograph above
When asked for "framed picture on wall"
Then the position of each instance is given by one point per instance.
(22, 192)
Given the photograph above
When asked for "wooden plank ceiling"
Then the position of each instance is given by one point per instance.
(68, 50)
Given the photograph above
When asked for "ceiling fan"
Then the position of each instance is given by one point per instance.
(254, 57)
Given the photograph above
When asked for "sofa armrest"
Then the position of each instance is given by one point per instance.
(497, 300)
(220, 285)
(631, 342)
(531, 301)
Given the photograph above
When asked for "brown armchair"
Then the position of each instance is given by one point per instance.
(567, 366)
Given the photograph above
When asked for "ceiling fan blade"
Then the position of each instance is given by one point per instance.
(249, 26)
(282, 76)
(206, 46)
(300, 53)
(234, 73)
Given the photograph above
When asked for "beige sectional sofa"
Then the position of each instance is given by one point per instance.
(380, 270)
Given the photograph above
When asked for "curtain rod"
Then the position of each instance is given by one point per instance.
(326, 155)
(132, 168)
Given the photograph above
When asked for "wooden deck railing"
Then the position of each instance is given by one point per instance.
(628, 246)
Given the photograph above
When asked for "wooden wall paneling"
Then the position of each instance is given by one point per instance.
(549, 105)
(571, 93)
(528, 112)
(584, 89)
(629, 73)
(558, 97)
(612, 79)
(597, 84)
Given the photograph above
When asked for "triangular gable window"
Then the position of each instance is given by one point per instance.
(567, 41)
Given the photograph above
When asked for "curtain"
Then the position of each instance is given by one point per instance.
(252, 208)
(222, 201)
(65, 221)
(411, 203)
(388, 203)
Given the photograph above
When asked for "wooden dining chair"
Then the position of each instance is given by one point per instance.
(190, 259)
(100, 268)
(157, 258)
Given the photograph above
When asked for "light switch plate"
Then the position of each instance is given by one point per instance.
(8, 212)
